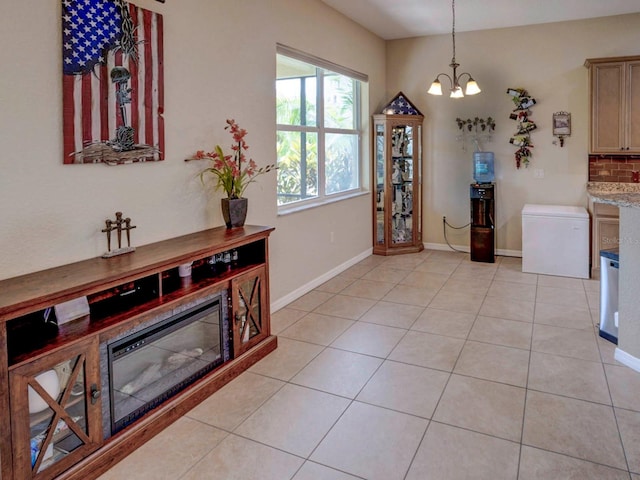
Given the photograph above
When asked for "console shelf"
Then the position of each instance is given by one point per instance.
(124, 293)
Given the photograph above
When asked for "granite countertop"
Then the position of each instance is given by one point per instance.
(620, 194)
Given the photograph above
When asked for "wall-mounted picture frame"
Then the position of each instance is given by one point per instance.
(112, 83)
(562, 123)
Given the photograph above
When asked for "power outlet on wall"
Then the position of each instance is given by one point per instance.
(538, 173)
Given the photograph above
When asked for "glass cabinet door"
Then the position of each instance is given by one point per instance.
(380, 172)
(249, 299)
(59, 418)
(402, 184)
(397, 176)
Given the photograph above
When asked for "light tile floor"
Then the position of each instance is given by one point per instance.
(421, 366)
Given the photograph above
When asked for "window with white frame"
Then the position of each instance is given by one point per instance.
(318, 113)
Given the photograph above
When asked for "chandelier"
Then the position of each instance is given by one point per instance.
(456, 90)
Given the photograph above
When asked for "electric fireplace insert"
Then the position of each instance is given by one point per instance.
(152, 365)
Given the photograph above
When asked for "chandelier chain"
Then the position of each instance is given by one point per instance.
(453, 30)
(472, 87)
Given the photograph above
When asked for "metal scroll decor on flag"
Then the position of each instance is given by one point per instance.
(113, 92)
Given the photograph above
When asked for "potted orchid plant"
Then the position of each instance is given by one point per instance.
(233, 172)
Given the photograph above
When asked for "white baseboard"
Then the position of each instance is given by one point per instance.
(306, 288)
(445, 247)
(466, 249)
(628, 360)
(509, 253)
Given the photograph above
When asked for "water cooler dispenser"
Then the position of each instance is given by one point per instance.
(482, 244)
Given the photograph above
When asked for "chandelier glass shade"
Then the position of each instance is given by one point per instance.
(471, 87)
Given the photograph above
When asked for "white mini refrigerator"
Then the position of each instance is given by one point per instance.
(555, 240)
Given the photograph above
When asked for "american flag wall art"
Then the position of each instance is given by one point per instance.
(113, 92)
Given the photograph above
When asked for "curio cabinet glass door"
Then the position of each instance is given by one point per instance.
(397, 175)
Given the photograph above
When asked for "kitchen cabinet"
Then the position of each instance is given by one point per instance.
(614, 85)
(397, 175)
(605, 232)
(628, 350)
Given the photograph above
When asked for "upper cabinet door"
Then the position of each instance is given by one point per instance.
(607, 113)
(615, 105)
(633, 106)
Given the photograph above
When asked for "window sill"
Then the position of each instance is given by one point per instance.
(286, 210)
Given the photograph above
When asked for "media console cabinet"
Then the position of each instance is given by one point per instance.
(168, 325)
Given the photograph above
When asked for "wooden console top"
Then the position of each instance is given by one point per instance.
(34, 291)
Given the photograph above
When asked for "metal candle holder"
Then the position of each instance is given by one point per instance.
(119, 225)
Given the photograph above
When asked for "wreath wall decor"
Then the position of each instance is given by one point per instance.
(477, 131)
(522, 138)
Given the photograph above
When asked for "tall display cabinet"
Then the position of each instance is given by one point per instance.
(397, 175)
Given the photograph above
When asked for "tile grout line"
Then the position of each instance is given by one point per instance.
(526, 393)
(450, 374)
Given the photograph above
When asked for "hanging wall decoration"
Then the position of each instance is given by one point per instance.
(561, 126)
(477, 131)
(113, 82)
(521, 114)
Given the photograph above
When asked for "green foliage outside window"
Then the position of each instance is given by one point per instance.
(298, 145)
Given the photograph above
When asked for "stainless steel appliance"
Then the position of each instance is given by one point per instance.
(609, 265)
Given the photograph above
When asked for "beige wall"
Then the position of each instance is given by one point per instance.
(219, 63)
(547, 60)
(629, 282)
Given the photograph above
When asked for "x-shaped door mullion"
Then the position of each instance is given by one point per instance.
(60, 412)
(255, 292)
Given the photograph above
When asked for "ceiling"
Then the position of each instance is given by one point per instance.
(393, 19)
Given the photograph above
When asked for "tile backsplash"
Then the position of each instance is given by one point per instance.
(614, 168)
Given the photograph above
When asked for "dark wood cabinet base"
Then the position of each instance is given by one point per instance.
(134, 301)
(121, 445)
